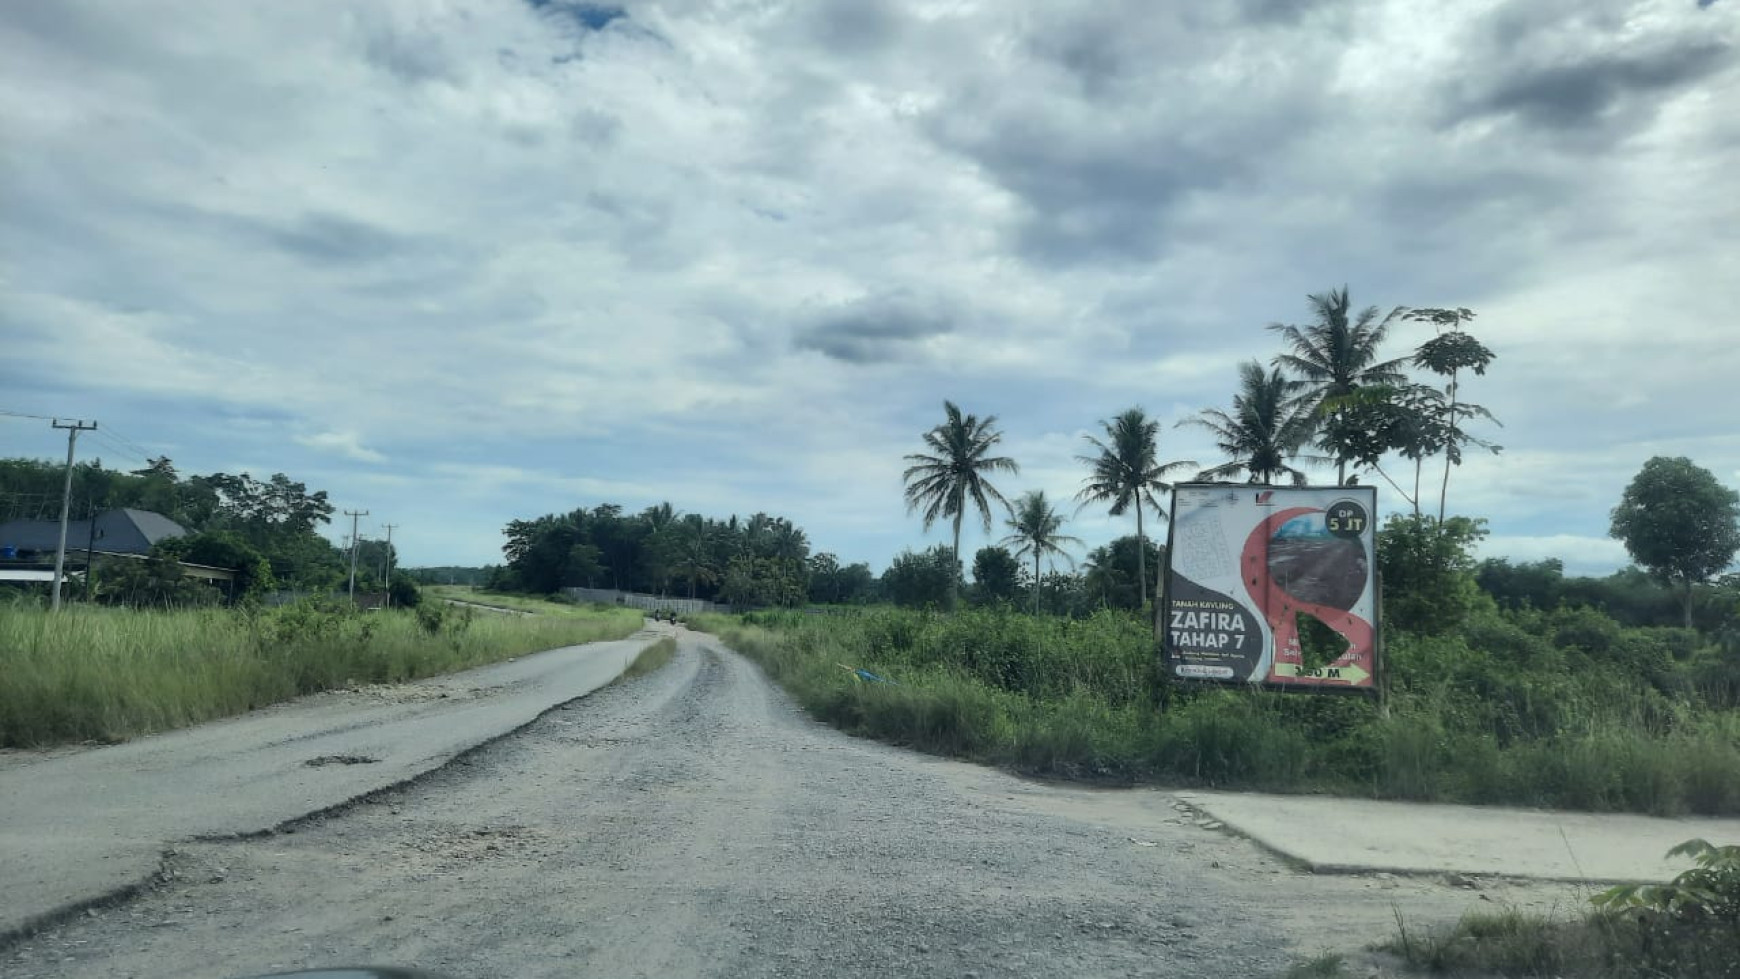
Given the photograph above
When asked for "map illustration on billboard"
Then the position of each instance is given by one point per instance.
(1273, 586)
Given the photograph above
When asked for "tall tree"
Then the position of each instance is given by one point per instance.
(954, 474)
(1126, 471)
(1333, 356)
(694, 560)
(1680, 523)
(1264, 431)
(1037, 527)
(1449, 353)
(996, 575)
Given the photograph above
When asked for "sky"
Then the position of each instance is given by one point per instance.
(458, 262)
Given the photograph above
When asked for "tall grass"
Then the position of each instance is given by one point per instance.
(105, 674)
(1526, 709)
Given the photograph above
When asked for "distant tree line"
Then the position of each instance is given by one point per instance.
(761, 560)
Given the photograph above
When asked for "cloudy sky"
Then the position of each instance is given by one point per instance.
(461, 261)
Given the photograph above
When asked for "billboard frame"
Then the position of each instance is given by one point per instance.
(1376, 689)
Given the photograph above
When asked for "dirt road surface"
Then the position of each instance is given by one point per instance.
(695, 823)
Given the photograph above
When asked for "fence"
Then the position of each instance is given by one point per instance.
(610, 596)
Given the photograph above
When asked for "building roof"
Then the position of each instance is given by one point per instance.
(123, 531)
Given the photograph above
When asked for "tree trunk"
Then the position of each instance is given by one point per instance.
(955, 569)
(1419, 464)
(1686, 603)
(1036, 581)
(1141, 560)
(1341, 472)
(1450, 440)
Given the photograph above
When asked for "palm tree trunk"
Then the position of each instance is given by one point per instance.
(1686, 603)
(1141, 559)
(955, 569)
(1036, 584)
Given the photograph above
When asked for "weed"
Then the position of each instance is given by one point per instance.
(650, 659)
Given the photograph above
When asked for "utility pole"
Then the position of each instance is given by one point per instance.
(387, 564)
(353, 514)
(72, 437)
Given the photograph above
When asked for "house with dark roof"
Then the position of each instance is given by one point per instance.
(27, 546)
(123, 531)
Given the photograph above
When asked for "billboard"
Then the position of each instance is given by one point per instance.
(1249, 567)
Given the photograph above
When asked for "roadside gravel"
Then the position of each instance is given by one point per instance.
(695, 823)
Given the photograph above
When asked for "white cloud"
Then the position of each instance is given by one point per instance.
(346, 444)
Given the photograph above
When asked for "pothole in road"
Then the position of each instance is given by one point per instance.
(324, 760)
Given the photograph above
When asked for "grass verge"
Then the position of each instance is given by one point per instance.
(1636, 944)
(1528, 710)
(650, 659)
(107, 674)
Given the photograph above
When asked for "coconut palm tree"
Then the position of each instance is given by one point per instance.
(1036, 523)
(1333, 356)
(1264, 431)
(693, 559)
(1126, 471)
(954, 473)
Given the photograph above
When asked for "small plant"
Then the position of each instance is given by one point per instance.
(1329, 965)
(1710, 890)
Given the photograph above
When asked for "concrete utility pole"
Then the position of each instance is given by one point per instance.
(353, 514)
(387, 564)
(72, 437)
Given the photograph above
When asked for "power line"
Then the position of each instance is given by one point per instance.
(115, 446)
(21, 414)
(124, 440)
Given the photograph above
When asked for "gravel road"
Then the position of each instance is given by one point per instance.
(695, 823)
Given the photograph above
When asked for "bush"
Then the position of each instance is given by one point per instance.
(1557, 708)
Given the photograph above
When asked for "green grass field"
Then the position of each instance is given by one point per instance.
(106, 674)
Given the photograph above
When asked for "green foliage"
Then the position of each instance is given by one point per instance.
(1427, 571)
(996, 576)
(832, 583)
(759, 561)
(1333, 356)
(762, 581)
(1263, 434)
(1679, 522)
(278, 519)
(403, 592)
(1036, 529)
(954, 475)
(224, 549)
(926, 578)
(1688, 929)
(155, 582)
(1710, 890)
(1125, 471)
(1561, 708)
(104, 674)
(1111, 573)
